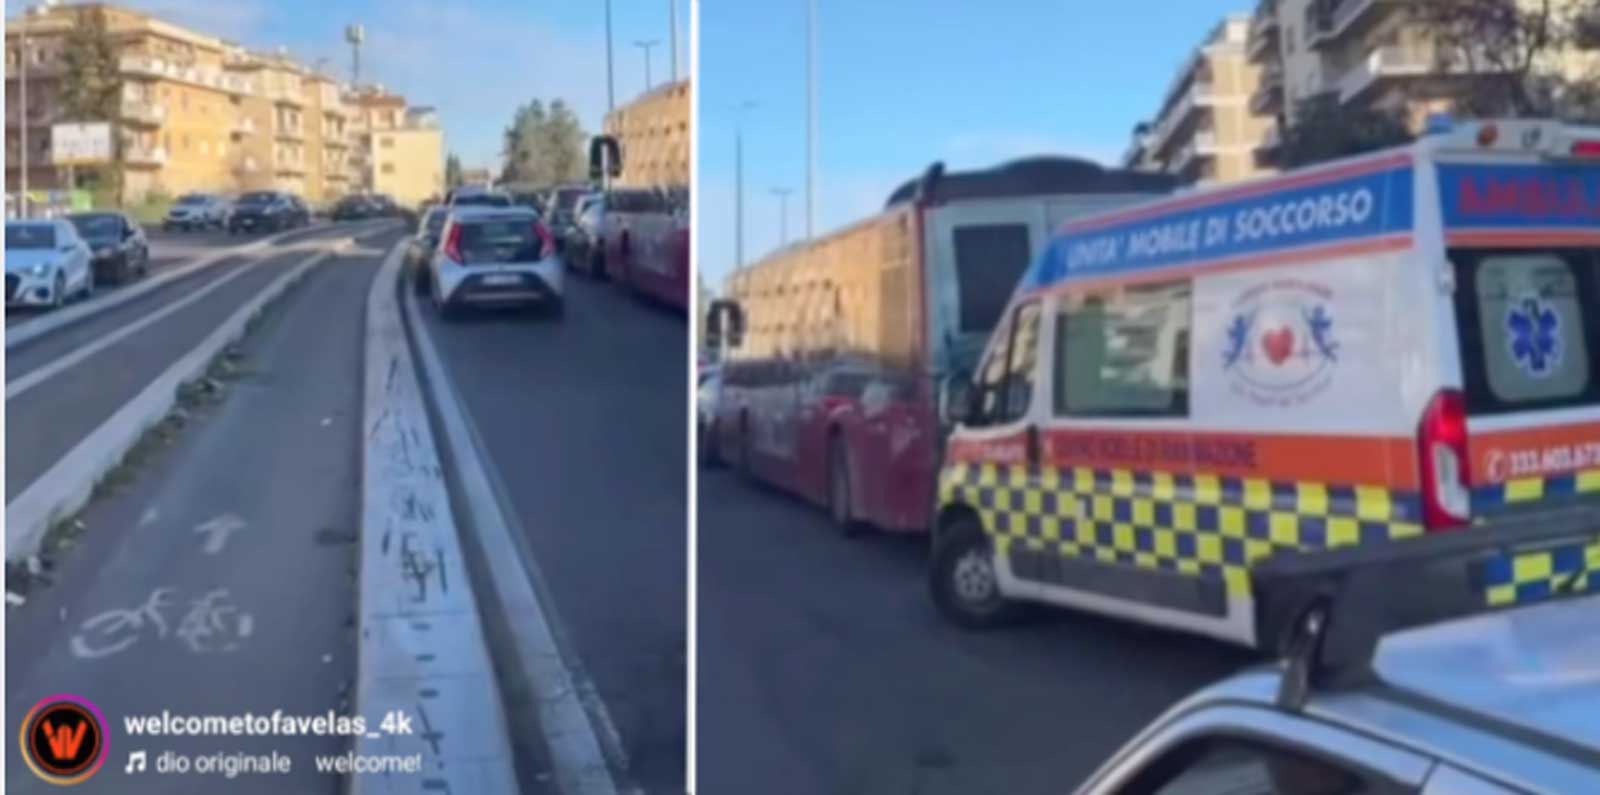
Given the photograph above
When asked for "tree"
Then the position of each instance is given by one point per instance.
(544, 146)
(1515, 53)
(91, 84)
(452, 171)
(1325, 130)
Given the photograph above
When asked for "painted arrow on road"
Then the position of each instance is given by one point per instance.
(217, 531)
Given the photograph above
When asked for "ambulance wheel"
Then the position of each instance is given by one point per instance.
(963, 579)
(840, 499)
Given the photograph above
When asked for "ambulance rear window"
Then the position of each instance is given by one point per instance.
(1529, 330)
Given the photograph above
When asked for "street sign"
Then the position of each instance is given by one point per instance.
(80, 144)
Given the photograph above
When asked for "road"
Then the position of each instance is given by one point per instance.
(823, 667)
(215, 574)
(242, 527)
(585, 424)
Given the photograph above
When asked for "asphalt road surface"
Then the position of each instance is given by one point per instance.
(585, 420)
(824, 668)
(216, 578)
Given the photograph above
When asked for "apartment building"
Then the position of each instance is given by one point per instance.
(395, 149)
(1368, 54)
(177, 109)
(653, 132)
(198, 113)
(1206, 130)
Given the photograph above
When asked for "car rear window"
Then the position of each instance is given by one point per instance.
(435, 221)
(483, 200)
(499, 240)
(192, 199)
(24, 237)
(1529, 328)
(97, 226)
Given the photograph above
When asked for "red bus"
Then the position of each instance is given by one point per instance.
(646, 238)
(847, 346)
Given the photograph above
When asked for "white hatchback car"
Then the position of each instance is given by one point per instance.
(47, 262)
(495, 256)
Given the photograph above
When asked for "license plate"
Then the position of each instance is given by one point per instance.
(501, 279)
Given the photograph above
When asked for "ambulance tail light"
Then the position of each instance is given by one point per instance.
(1442, 447)
(1586, 149)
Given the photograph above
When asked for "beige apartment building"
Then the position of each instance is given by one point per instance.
(198, 113)
(653, 132)
(1206, 131)
(395, 149)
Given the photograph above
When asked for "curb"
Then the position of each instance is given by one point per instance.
(422, 652)
(582, 742)
(68, 484)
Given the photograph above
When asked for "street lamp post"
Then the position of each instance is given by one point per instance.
(646, 45)
(783, 214)
(672, 28)
(611, 99)
(811, 116)
(22, 123)
(738, 182)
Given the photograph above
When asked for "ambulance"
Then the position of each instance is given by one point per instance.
(1365, 353)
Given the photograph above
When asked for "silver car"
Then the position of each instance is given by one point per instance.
(1483, 702)
(47, 263)
(196, 211)
(495, 256)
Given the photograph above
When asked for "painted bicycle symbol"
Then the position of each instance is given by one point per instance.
(212, 623)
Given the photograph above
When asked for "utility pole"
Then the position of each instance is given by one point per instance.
(611, 99)
(22, 85)
(783, 214)
(811, 117)
(672, 16)
(646, 45)
(738, 182)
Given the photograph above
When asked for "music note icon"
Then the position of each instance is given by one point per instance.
(136, 762)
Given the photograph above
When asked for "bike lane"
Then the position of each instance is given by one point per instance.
(218, 578)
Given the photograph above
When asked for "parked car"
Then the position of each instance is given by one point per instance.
(47, 262)
(580, 239)
(422, 246)
(119, 251)
(495, 256)
(268, 211)
(196, 211)
(561, 203)
(352, 208)
(383, 205)
(706, 413)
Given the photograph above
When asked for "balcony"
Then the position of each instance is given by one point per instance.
(1330, 20)
(1264, 33)
(289, 132)
(159, 68)
(1202, 146)
(286, 96)
(143, 112)
(137, 155)
(292, 167)
(1267, 99)
(242, 126)
(1397, 63)
(1199, 97)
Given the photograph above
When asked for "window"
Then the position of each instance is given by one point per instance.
(387, 142)
(989, 261)
(1005, 385)
(1124, 352)
(1228, 766)
(388, 168)
(1527, 340)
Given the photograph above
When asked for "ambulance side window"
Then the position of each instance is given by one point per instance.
(1005, 384)
(1124, 353)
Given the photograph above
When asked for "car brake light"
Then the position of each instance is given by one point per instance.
(1442, 448)
(1586, 148)
(452, 244)
(547, 244)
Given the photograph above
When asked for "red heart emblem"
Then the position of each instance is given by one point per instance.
(1278, 345)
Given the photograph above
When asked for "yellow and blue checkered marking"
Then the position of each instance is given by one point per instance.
(1193, 524)
(1533, 576)
(1486, 499)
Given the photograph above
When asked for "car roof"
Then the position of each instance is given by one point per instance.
(1509, 696)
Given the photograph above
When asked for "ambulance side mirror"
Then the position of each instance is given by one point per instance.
(956, 399)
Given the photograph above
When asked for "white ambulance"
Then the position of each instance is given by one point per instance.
(1349, 356)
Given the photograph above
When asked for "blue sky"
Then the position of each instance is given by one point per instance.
(902, 83)
(475, 60)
